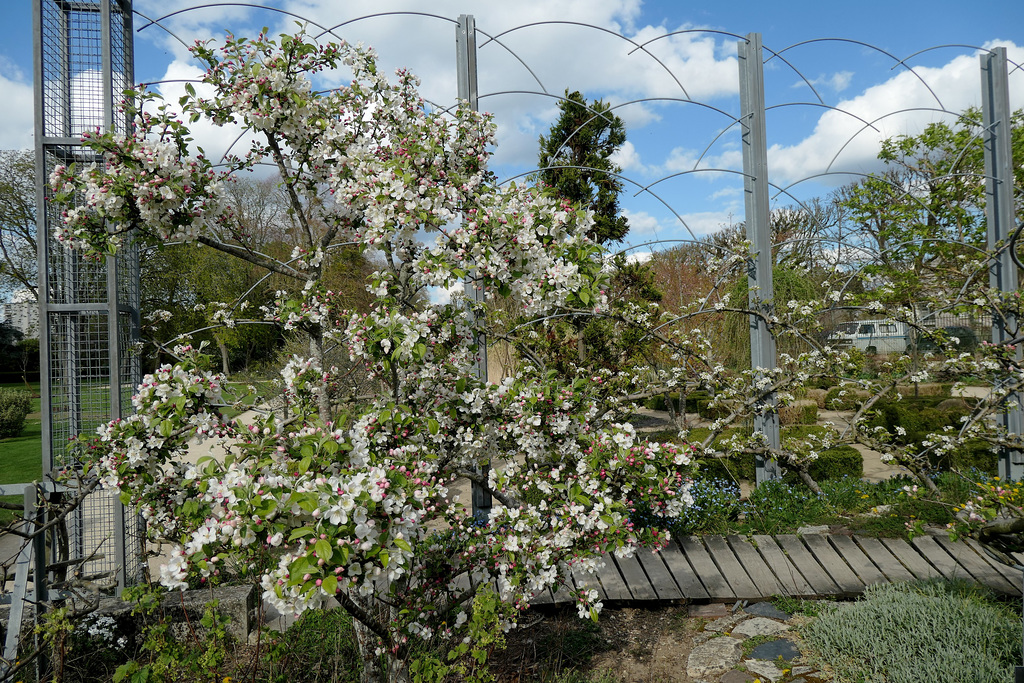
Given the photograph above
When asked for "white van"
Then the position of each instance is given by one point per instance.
(883, 337)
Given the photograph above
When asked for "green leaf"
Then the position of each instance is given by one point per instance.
(403, 544)
(307, 450)
(301, 532)
(384, 558)
(324, 551)
(433, 426)
(330, 584)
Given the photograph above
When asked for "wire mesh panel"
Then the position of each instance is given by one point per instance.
(90, 307)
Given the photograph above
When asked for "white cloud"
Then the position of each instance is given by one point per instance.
(639, 256)
(16, 131)
(895, 106)
(706, 222)
(642, 225)
(837, 82)
(628, 159)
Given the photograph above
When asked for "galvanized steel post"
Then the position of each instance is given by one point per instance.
(1000, 216)
(759, 273)
(465, 48)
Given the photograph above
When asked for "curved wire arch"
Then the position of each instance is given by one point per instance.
(602, 29)
(738, 37)
(444, 18)
(871, 47)
(977, 48)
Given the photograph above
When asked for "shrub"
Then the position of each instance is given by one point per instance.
(841, 398)
(837, 462)
(911, 632)
(15, 405)
(975, 454)
(320, 646)
(817, 395)
(799, 413)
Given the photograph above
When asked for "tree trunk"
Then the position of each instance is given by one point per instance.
(223, 355)
(316, 351)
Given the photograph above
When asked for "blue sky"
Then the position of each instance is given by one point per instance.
(666, 136)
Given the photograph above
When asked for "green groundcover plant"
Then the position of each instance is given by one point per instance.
(942, 632)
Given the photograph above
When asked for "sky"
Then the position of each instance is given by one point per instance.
(668, 67)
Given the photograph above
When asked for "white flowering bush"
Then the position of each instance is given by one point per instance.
(364, 511)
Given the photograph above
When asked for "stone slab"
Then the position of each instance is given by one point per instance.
(773, 650)
(766, 609)
(759, 626)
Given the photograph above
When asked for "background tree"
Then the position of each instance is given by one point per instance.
(17, 221)
(915, 223)
(575, 162)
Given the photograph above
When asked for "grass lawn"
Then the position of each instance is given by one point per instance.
(21, 457)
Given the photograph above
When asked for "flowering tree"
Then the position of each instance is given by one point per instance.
(363, 509)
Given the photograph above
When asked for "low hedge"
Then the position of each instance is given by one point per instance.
(834, 463)
(696, 402)
(803, 412)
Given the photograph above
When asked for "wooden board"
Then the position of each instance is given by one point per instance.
(934, 553)
(883, 559)
(704, 567)
(803, 560)
(834, 564)
(981, 570)
(657, 573)
(611, 581)
(682, 572)
(789, 577)
(731, 569)
(586, 581)
(543, 598)
(910, 558)
(861, 565)
(636, 580)
(560, 591)
(1009, 573)
(758, 571)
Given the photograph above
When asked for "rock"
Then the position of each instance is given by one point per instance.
(763, 669)
(820, 530)
(735, 676)
(801, 670)
(759, 626)
(713, 611)
(766, 609)
(715, 656)
(775, 649)
(725, 623)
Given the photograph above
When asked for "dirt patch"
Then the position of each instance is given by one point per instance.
(628, 644)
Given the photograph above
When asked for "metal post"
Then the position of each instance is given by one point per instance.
(999, 214)
(84, 306)
(759, 273)
(465, 53)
